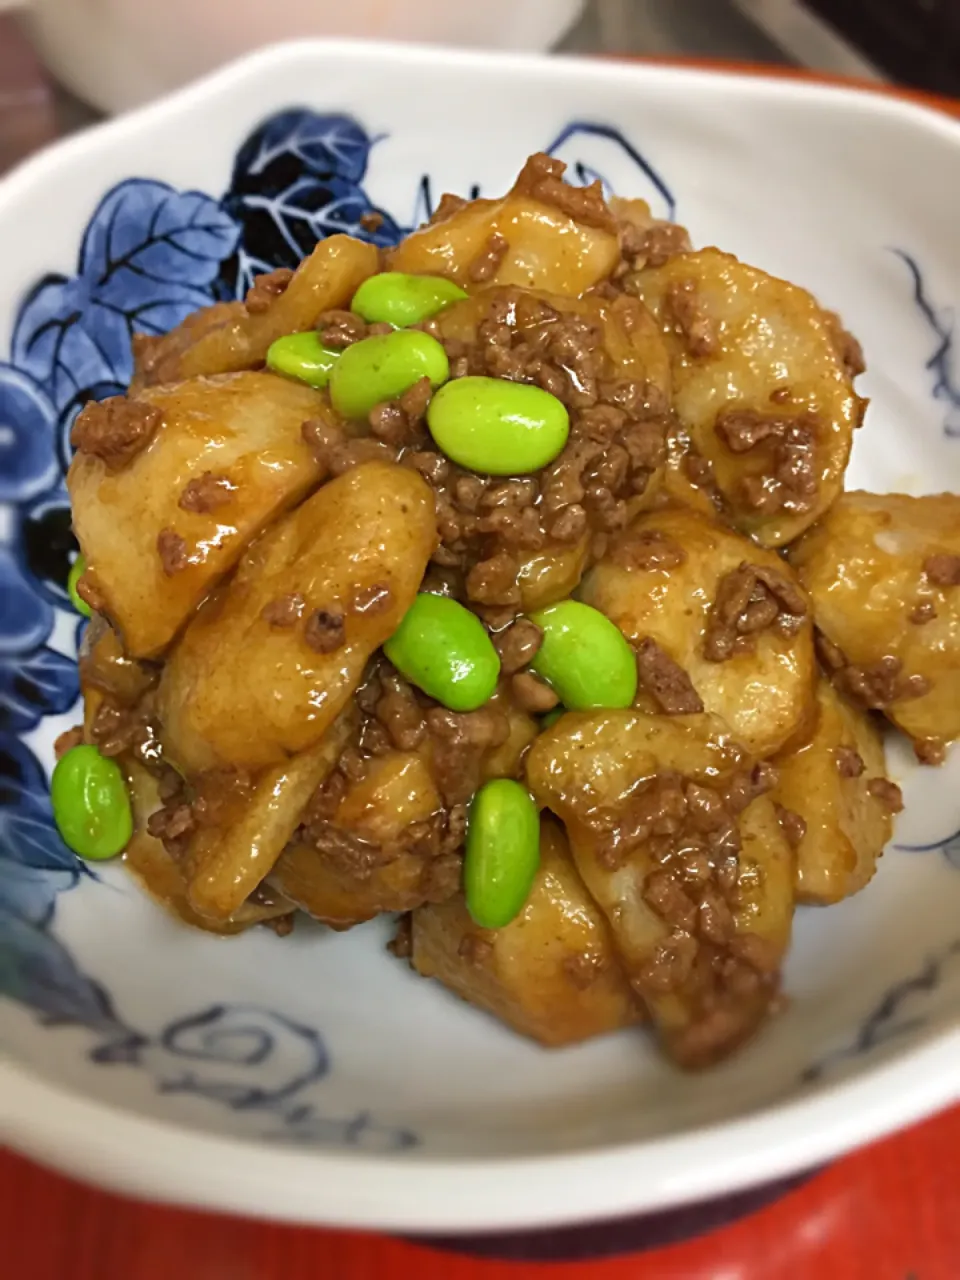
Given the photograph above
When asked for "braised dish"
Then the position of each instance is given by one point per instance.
(505, 581)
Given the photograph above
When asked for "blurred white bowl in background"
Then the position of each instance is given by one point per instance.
(117, 54)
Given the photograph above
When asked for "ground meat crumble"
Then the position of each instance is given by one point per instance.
(117, 729)
(474, 949)
(90, 593)
(265, 290)
(206, 493)
(115, 430)
(790, 482)
(325, 632)
(849, 762)
(874, 686)
(666, 681)
(284, 611)
(751, 599)
(487, 263)
(542, 178)
(685, 309)
(67, 740)
(689, 836)
(942, 570)
(930, 751)
(531, 694)
(651, 245)
(172, 550)
(886, 793)
(518, 645)
(923, 611)
(794, 827)
(646, 549)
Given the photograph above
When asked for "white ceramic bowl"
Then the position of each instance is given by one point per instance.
(316, 1078)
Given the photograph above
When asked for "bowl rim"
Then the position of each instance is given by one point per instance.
(163, 1160)
(160, 1160)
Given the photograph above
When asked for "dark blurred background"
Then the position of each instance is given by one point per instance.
(911, 42)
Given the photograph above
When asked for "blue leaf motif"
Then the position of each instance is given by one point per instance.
(151, 252)
(27, 832)
(325, 146)
(47, 545)
(38, 971)
(28, 460)
(26, 619)
(30, 894)
(41, 683)
(62, 342)
(149, 257)
(297, 179)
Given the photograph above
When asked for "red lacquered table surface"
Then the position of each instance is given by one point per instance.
(889, 1212)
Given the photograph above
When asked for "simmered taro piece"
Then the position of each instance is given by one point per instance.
(762, 388)
(883, 573)
(718, 622)
(835, 800)
(682, 849)
(552, 974)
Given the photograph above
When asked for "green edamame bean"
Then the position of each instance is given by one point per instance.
(304, 357)
(393, 297)
(502, 852)
(90, 804)
(443, 649)
(76, 570)
(383, 367)
(551, 718)
(584, 657)
(501, 428)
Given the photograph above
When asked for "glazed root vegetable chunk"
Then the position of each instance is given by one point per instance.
(552, 973)
(762, 384)
(230, 337)
(169, 487)
(246, 825)
(684, 853)
(719, 624)
(837, 803)
(269, 662)
(161, 874)
(541, 235)
(883, 572)
(385, 846)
